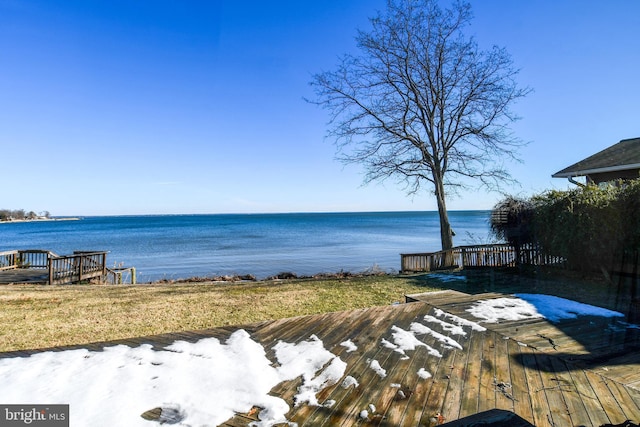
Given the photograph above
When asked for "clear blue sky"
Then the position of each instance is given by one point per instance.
(152, 106)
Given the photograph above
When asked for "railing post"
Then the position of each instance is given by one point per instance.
(448, 258)
(104, 266)
(80, 267)
(50, 265)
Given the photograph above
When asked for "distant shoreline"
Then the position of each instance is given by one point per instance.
(12, 221)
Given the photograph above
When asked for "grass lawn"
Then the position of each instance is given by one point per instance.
(36, 316)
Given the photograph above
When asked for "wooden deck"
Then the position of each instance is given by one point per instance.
(494, 376)
(46, 267)
(595, 343)
(24, 275)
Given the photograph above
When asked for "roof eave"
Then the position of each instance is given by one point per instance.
(584, 172)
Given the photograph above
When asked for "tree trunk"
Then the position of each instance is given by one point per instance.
(446, 234)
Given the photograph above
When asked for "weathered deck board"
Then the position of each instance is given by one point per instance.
(521, 390)
(584, 389)
(589, 341)
(469, 403)
(310, 415)
(538, 398)
(403, 394)
(626, 398)
(432, 400)
(607, 400)
(491, 371)
(564, 383)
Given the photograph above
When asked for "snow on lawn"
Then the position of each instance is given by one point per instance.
(199, 384)
(532, 306)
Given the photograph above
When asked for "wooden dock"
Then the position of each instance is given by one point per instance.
(509, 374)
(46, 267)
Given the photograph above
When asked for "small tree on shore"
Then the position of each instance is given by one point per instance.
(422, 103)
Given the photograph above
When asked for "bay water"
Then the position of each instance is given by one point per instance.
(185, 246)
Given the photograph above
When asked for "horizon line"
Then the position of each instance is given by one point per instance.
(266, 213)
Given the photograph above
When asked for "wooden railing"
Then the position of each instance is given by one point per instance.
(30, 258)
(8, 260)
(120, 275)
(488, 256)
(77, 267)
(498, 255)
(65, 269)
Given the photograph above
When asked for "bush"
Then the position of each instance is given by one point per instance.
(582, 225)
(511, 220)
(591, 227)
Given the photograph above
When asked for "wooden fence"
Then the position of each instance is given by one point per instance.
(498, 255)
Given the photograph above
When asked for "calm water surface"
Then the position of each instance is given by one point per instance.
(181, 246)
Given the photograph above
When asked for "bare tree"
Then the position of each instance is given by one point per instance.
(422, 103)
